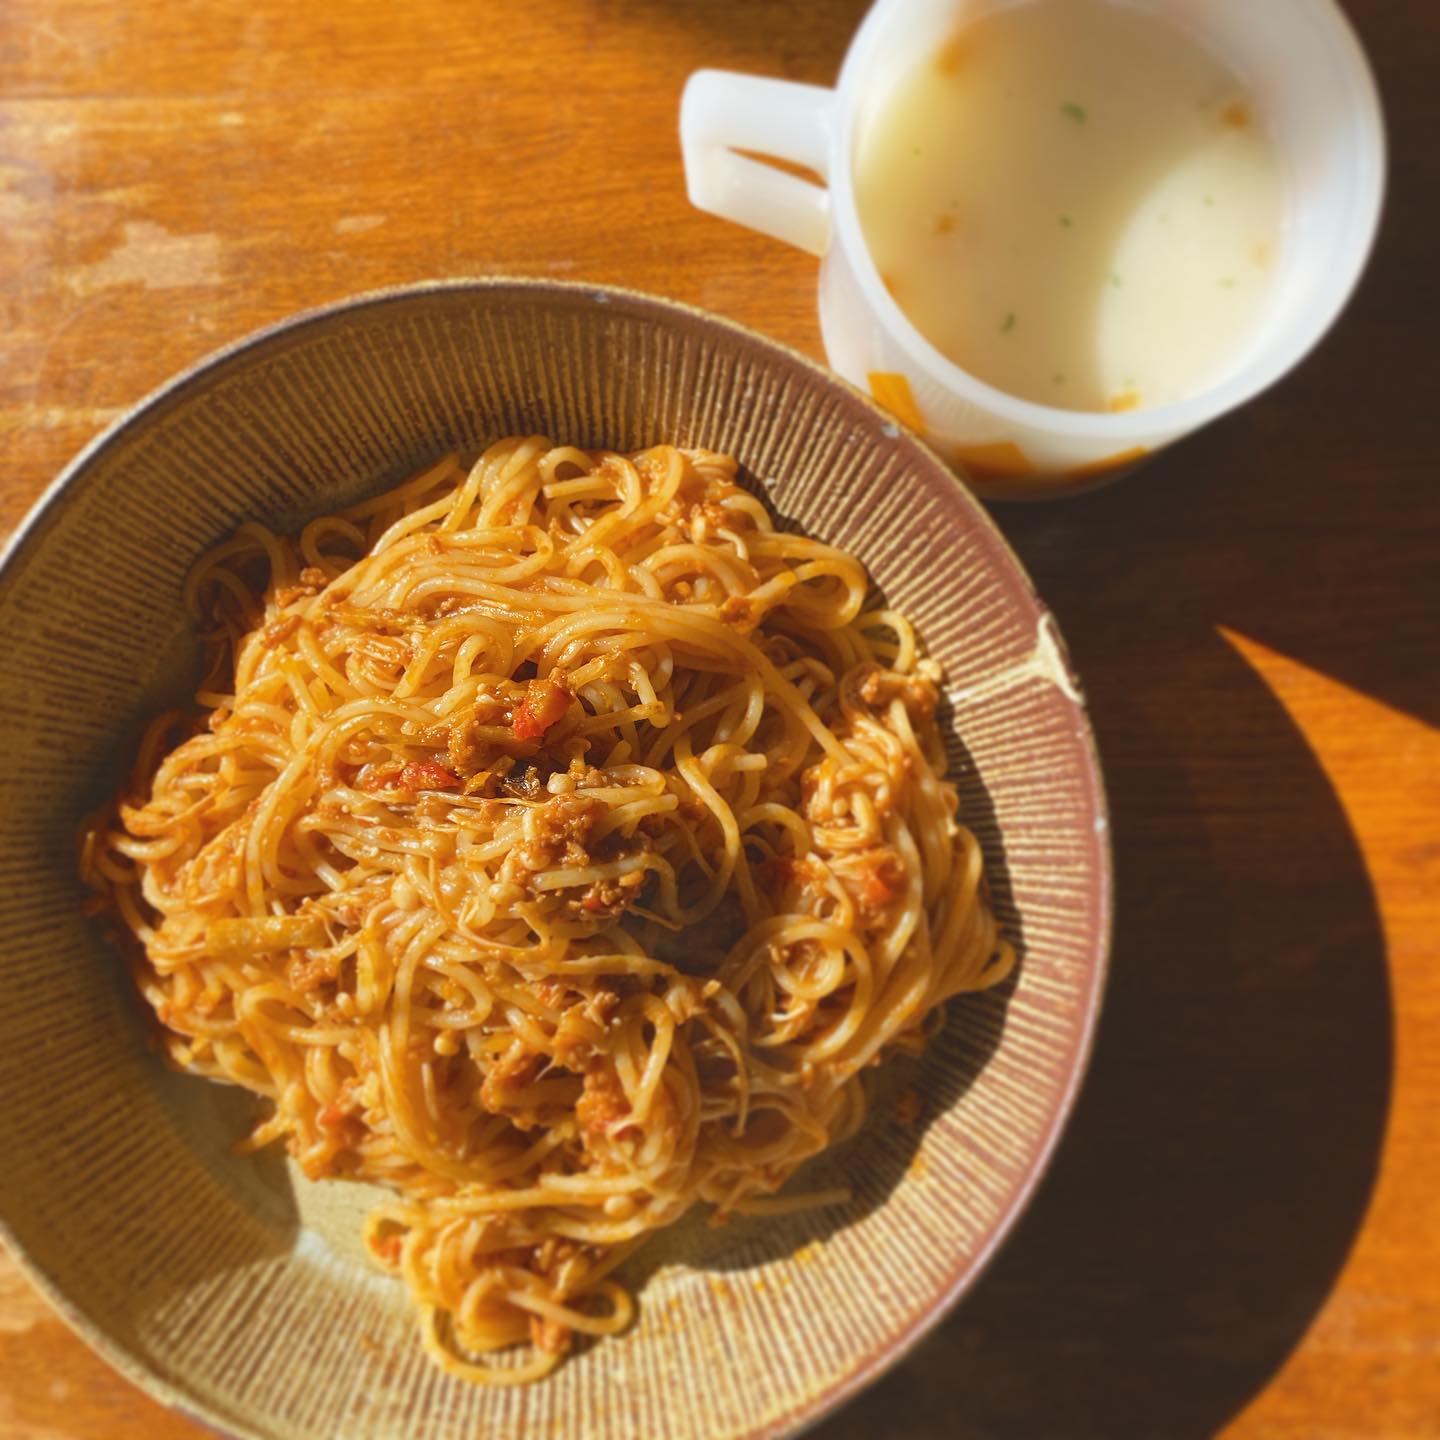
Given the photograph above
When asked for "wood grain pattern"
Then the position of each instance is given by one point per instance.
(1242, 1233)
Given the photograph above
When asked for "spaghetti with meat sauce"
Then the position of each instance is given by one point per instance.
(558, 843)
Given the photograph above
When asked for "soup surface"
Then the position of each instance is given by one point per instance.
(1076, 202)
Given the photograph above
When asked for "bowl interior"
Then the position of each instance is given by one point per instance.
(237, 1290)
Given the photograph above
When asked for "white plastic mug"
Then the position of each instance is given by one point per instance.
(1308, 74)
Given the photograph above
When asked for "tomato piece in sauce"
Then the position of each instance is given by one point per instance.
(427, 775)
(544, 704)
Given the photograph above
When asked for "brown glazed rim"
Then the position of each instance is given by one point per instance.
(31, 532)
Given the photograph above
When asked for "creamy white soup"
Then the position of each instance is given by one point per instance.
(1076, 202)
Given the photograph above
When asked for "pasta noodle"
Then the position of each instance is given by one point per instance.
(557, 844)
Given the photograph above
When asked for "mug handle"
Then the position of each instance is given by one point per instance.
(722, 112)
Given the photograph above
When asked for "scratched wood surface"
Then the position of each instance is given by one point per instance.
(1242, 1231)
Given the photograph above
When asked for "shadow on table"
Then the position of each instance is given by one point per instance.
(1225, 1146)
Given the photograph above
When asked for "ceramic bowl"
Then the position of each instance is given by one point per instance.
(233, 1289)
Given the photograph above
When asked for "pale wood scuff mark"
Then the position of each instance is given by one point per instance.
(150, 255)
(359, 224)
(519, 267)
(62, 417)
(21, 1308)
(13, 1423)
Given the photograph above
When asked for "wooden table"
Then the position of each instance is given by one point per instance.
(1242, 1231)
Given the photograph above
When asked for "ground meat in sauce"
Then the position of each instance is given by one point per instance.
(873, 880)
(581, 1028)
(744, 614)
(918, 695)
(551, 993)
(602, 1099)
(601, 1005)
(561, 831)
(306, 971)
(464, 748)
(605, 899)
(312, 582)
(506, 1080)
(426, 775)
(780, 872)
